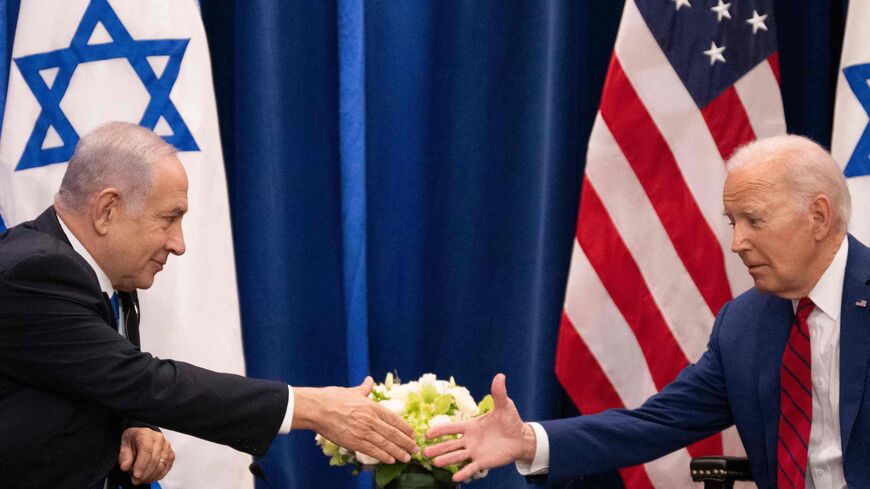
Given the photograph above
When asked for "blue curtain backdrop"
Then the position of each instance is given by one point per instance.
(474, 120)
(404, 180)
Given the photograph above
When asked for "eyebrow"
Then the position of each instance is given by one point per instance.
(744, 212)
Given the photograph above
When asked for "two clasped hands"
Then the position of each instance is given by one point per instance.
(348, 418)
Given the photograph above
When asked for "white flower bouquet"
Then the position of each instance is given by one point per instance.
(422, 403)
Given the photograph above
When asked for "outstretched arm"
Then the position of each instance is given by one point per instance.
(492, 440)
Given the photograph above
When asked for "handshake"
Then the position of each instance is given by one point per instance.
(348, 418)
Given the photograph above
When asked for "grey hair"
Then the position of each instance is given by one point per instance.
(809, 171)
(116, 154)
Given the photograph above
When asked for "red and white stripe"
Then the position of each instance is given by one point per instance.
(652, 263)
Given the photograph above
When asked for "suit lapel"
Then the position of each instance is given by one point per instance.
(773, 335)
(854, 337)
(48, 223)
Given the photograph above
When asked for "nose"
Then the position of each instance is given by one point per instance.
(738, 239)
(175, 243)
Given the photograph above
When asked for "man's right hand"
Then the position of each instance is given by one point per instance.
(497, 438)
(348, 418)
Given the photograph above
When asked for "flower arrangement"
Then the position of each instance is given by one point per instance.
(423, 403)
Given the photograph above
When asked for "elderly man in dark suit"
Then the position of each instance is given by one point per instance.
(786, 361)
(76, 397)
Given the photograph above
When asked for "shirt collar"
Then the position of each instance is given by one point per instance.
(105, 283)
(827, 295)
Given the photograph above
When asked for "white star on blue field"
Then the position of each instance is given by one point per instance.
(79, 51)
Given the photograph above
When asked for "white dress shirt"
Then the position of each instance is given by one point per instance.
(107, 287)
(825, 454)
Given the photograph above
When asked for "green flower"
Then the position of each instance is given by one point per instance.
(423, 403)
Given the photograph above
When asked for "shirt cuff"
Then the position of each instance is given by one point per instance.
(541, 463)
(288, 415)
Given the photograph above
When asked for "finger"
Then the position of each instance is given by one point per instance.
(145, 458)
(373, 451)
(499, 392)
(125, 456)
(452, 458)
(395, 420)
(366, 387)
(154, 465)
(447, 429)
(406, 445)
(389, 447)
(167, 458)
(443, 447)
(466, 472)
(396, 429)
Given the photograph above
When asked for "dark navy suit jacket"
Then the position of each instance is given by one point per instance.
(68, 380)
(736, 381)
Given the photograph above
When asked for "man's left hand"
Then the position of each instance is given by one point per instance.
(146, 454)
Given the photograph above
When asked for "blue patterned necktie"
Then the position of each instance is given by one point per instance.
(113, 304)
(116, 310)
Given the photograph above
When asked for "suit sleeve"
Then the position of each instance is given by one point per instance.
(692, 407)
(53, 337)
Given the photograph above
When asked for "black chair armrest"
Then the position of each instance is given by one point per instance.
(720, 472)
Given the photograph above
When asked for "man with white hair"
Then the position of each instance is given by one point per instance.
(786, 361)
(75, 396)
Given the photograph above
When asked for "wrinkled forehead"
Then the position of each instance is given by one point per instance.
(170, 183)
(759, 183)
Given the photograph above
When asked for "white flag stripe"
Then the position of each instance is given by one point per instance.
(671, 286)
(31, 194)
(683, 127)
(732, 444)
(674, 112)
(766, 114)
(671, 471)
(602, 327)
(859, 187)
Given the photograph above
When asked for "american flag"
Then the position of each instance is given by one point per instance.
(689, 81)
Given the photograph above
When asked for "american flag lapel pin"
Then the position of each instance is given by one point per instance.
(861, 303)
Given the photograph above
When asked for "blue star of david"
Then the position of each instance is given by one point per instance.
(78, 52)
(859, 163)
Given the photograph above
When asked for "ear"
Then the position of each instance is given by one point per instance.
(822, 215)
(105, 209)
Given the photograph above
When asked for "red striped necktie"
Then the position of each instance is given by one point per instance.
(796, 402)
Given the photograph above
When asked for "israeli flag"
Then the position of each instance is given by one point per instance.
(850, 144)
(76, 64)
